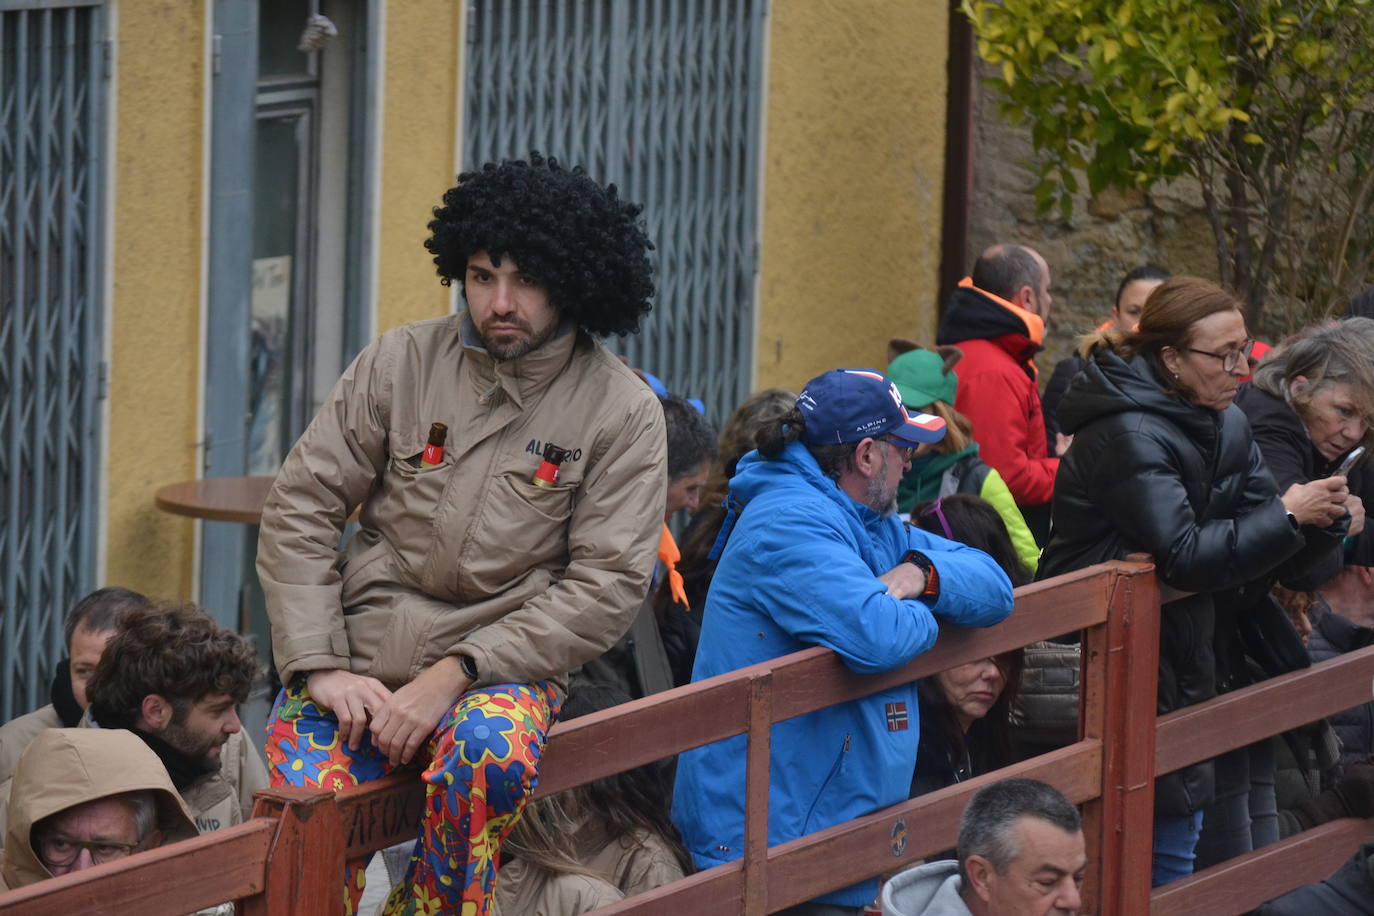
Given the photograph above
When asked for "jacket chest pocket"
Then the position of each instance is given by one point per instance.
(409, 499)
(522, 526)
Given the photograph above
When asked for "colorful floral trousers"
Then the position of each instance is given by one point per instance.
(483, 764)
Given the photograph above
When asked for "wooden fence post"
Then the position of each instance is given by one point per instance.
(305, 863)
(1125, 722)
(756, 792)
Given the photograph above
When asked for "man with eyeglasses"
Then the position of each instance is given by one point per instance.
(815, 555)
(84, 797)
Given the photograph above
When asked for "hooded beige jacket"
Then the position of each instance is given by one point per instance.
(469, 557)
(68, 766)
(216, 800)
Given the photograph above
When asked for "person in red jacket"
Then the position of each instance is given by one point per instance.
(997, 317)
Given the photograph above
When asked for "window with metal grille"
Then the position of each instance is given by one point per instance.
(661, 97)
(51, 104)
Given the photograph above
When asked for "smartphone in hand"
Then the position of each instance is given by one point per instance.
(1348, 462)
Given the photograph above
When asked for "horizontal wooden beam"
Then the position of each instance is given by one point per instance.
(383, 813)
(673, 721)
(816, 678)
(310, 829)
(900, 836)
(169, 881)
(717, 891)
(1243, 883)
(880, 843)
(585, 749)
(1268, 708)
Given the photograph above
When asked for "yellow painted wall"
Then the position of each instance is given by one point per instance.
(853, 178)
(155, 255)
(418, 153)
(155, 249)
(851, 217)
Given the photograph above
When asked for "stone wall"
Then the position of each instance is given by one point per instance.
(1105, 237)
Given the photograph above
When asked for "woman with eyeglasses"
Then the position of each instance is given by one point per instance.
(1163, 463)
(1308, 405)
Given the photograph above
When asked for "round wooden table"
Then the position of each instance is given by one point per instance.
(217, 499)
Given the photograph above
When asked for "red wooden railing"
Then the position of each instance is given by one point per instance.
(288, 858)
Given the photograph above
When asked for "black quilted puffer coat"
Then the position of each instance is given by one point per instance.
(1151, 472)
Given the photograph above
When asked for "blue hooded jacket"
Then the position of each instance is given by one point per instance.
(800, 569)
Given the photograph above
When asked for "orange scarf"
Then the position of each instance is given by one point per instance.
(668, 555)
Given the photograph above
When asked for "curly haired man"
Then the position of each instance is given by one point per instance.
(175, 678)
(444, 628)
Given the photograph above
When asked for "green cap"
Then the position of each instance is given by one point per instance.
(921, 378)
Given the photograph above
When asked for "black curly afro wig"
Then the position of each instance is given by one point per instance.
(578, 239)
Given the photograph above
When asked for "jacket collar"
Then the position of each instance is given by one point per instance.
(521, 378)
(1259, 405)
(934, 464)
(183, 769)
(757, 475)
(797, 461)
(1110, 385)
(63, 700)
(1344, 634)
(976, 314)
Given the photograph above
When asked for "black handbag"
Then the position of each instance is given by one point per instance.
(1270, 639)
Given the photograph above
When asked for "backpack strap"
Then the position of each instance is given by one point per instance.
(970, 471)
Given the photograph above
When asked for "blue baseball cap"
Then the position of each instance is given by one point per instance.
(660, 389)
(847, 405)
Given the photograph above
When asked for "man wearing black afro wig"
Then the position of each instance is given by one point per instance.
(493, 555)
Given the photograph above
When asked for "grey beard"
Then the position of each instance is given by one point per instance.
(502, 352)
(876, 496)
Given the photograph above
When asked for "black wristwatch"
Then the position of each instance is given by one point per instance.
(922, 562)
(469, 667)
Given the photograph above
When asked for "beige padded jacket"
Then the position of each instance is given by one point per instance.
(64, 767)
(217, 800)
(469, 557)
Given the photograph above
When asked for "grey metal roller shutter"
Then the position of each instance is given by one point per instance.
(663, 98)
(52, 85)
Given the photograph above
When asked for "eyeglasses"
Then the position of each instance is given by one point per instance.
(56, 849)
(1230, 359)
(939, 513)
(905, 452)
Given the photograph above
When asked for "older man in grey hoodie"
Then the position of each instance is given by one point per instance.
(1021, 853)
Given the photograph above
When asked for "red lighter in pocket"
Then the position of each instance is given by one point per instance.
(547, 475)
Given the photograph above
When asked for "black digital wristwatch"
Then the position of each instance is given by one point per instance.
(922, 562)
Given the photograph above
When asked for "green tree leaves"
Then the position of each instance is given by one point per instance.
(1250, 97)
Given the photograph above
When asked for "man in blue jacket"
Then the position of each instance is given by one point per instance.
(817, 556)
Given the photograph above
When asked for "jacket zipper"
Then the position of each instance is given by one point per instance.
(834, 770)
